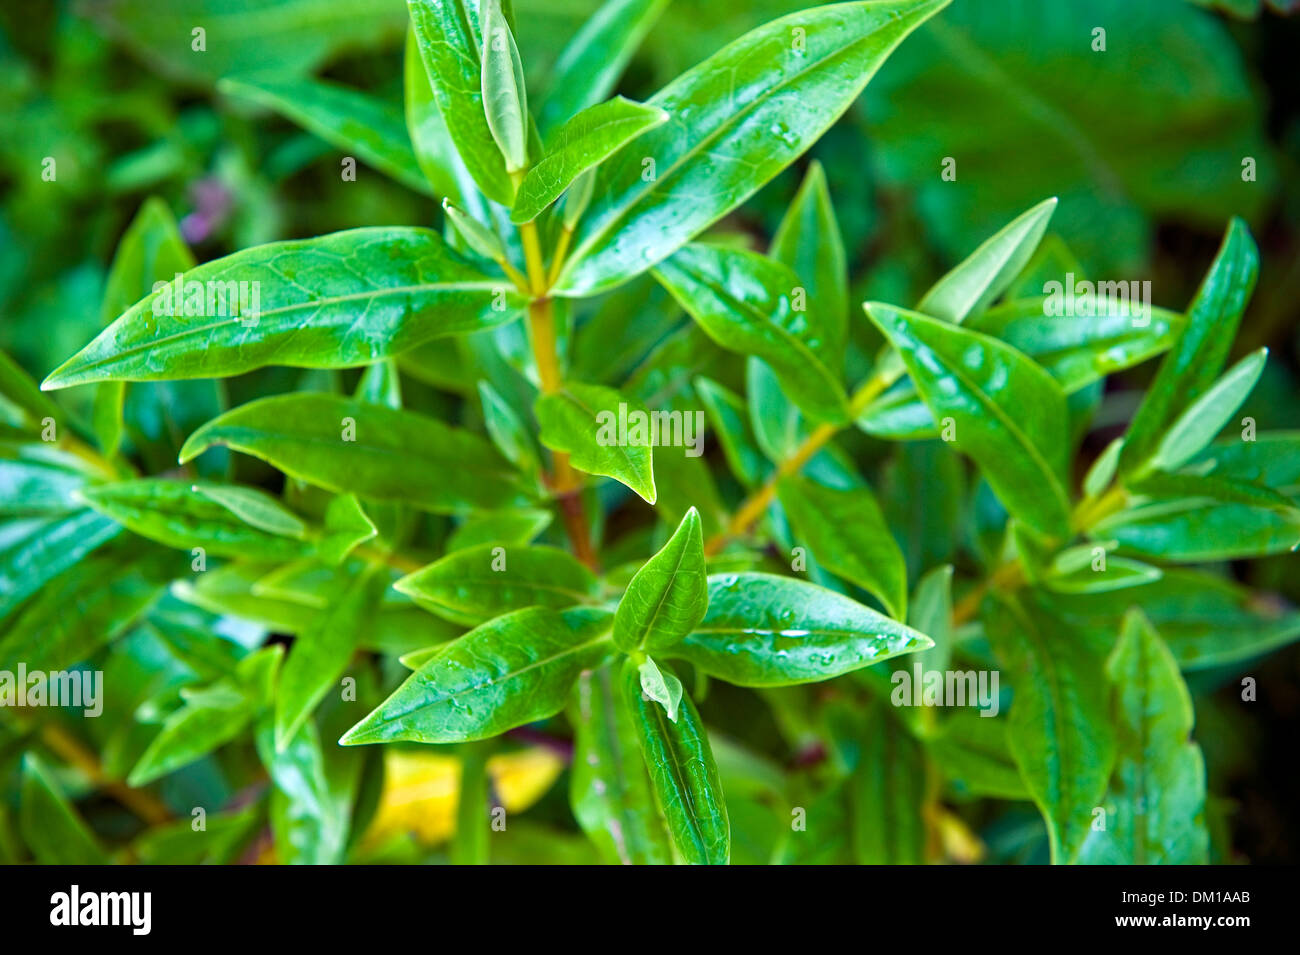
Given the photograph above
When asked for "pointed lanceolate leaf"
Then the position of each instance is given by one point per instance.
(888, 794)
(582, 143)
(1200, 528)
(589, 66)
(434, 151)
(346, 445)
(1007, 412)
(808, 242)
(662, 686)
(668, 596)
(846, 533)
(320, 655)
(35, 550)
(1205, 417)
(726, 413)
(986, 273)
(505, 99)
(476, 584)
(446, 32)
(764, 630)
(598, 428)
(1195, 360)
(1155, 809)
(336, 301)
(1059, 729)
(357, 124)
(211, 716)
(179, 515)
(683, 775)
(737, 120)
(54, 831)
(609, 788)
(746, 303)
(510, 671)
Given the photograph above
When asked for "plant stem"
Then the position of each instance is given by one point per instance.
(564, 480)
(754, 506)
(142, 803)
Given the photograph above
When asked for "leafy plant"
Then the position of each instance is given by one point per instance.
(375, 557)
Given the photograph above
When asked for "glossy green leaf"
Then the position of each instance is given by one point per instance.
(808, 242)
(446, 32)
(210, 717)
(846, 533)
(1089, 569)
(179, 515)
(731, 130)
(662, 686)
(21, 403)
(1007, 413)
(1205, 417)
(350, 446)
(1271, 460)
(609, 788)
(320, 655)
(602, 432)
(434, 151)
(582, 143)
(985, 274)
(505, 99)
(50, 825)
(357, 124)
(506, 430)
(1197, 357)
(311, 808)
(1201, 529)
(764, 630)
(745, 302)
(974, 755)
(683, 775)
(474, 585)
(1059, 729)
(512, 670)
(337, 301)
(504, 528)
(668, 596)
(589, 66)
(1155, 809)
(36, 479)
(930, 613)
(35, 550)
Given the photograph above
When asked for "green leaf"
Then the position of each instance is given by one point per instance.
(504, 528)
(582, 143)
(507, 432)
(887, 795)
(351, 446)
(1007, 413)
(1205, 620)
(661, 686)
(50, 825)
(744, 302)
(1272, 460)
(973, 751)
(847, 534)
(352, 122)
(434, 151)
(320, 655)
(337, 301)
(1205, 417)
(505, 99)
(211, 716)
(474, 585)
(1201, 529)
(726, 413)
(732, 129)
(21, 403)
(589, 66)
(1197, 357)
(182, 516)
(984, 275)
(1059, 729)
(512, 670)
(930, 613)
(36, 479)
(764, 630)
(609, 788)
(34, 551)
(1155, 809)
(585, 422)
(447, 34)
(1081, 570)
(83, 609)
(683, 775)
(668, 596)
(808, 242)
(311, 808)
